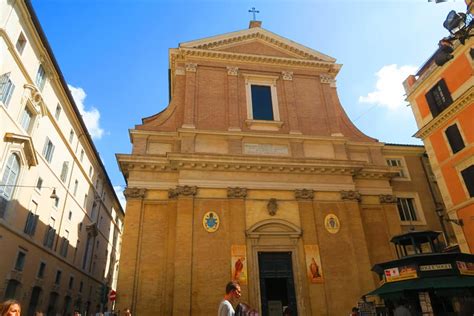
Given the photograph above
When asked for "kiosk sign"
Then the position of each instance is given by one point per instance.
(400, 273)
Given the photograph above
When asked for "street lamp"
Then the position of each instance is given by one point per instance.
(440, 212)
(460, 26)
(53, 195)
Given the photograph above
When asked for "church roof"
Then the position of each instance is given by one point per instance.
(294, 49)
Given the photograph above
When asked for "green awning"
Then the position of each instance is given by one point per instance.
(449, 282)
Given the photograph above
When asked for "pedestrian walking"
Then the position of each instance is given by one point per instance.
(232, 294)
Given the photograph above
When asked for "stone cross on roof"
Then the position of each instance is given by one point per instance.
(253, 11)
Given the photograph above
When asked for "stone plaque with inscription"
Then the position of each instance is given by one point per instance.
(266, 149)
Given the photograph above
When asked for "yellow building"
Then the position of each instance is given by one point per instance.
(58, 252)
(255, 173)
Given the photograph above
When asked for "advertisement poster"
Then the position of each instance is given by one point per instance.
(401, 273)
(239, 263)
(313, 264)
(466, 268)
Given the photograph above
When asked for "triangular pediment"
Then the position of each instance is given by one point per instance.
(258, 47)
(257, 41)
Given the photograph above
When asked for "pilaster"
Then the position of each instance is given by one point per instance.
(190, 95)
(128, 281)
(182, 295)
(232, 101)
(290, 102)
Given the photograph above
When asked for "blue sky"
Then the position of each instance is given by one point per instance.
(114, 54)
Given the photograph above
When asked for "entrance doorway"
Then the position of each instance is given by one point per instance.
(34, 300)
(277, 287)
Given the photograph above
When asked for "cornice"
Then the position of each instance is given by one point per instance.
(183, 53)
(390, 149)
(174, 162)
(460, 103)
(248, 135)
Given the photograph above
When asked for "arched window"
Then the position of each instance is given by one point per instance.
(8, 181)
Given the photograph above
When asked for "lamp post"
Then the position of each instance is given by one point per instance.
(52, 196)
(440, 212)
(460, 26)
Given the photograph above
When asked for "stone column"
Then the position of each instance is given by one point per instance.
(190, 96)
(290, 102)
(182, 295)
(232, 95)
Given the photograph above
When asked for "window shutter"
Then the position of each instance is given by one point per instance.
(9, 87)
(45, 148)
(454, 138)
(432, 104)
(35, 222)
(28, 223)
(3, 85)
(468, 177)
(51, 153)
(446, 93)
(64, 171)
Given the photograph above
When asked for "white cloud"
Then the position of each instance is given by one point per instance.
(119, 191)
(389, 90)
(91, 118)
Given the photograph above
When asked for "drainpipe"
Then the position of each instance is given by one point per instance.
(438, 204)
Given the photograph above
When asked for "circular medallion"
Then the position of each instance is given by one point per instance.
(210, 221)
(331, 222)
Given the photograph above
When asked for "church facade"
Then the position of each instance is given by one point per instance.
(255, 173)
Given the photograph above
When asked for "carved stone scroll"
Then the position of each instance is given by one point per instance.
(351, 195)
(183, 190)
(236, 193)
(272, 206)
(387, 198)
(304, 194)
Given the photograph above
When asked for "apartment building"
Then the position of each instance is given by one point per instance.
(60, 219)
(442, 100)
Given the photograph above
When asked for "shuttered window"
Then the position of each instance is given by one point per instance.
(49, 237)
(64, 171)
(8, 182)
(6, 88)
(468, 177)
(48, 150)
(30, 225)
(454, 138)
(40, 77)
(438, 98)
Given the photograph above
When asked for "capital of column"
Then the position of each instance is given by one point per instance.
(180, 71)
(328, 79)
(233, 71)
(287, 75)
(134, 193)
(191, 67)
